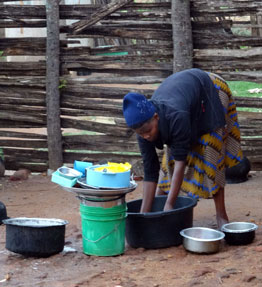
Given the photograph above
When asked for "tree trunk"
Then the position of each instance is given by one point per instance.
(182, 35)
(55, 154)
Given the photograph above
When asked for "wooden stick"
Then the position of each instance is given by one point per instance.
(103, 12)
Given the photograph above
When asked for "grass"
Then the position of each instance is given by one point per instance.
(80, 133)
(1, 153)
(1, 55)
(240, 89)
(241, 31)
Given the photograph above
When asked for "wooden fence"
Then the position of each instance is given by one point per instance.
(132, 49)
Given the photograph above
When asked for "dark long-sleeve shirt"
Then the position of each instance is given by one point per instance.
(188, 106)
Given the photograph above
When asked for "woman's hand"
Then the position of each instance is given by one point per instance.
(168, 206)
(149, 190)
(176, 182)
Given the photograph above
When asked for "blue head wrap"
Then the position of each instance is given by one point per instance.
(137, 109)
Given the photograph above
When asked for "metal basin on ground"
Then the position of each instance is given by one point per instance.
(202, 239)
(239, 233)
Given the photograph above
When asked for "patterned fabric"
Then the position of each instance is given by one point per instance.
(206, 162)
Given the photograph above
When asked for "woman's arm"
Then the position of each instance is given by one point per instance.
(151, 173)
(176, 182)
(149, 190)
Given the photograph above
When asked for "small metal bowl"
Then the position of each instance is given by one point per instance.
(201, 239)
(69, 172)
(239, 233)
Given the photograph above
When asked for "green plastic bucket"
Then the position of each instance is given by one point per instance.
(103, 229)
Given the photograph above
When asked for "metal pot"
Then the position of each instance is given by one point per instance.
(105, 202)
(38, 237)
(107, 179)
(239, 233)
(201, 239)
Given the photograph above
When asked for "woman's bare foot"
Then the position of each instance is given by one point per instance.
(219, 199)
(221, 221)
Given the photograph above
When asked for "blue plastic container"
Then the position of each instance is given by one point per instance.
(82, 166)
(106, 179)
(61, 180)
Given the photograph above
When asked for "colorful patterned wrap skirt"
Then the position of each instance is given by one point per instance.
(206, 162)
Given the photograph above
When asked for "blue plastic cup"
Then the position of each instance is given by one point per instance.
(82, 165)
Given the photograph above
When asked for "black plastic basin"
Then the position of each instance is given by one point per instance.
(239, 172)
(158, 229)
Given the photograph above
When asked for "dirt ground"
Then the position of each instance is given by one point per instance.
(39, 197)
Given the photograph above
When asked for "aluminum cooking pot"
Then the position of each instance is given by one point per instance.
(239, 233)
(38, 237)
(202, 239)
(107, 179)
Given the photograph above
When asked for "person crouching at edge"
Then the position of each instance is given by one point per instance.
(193, 114)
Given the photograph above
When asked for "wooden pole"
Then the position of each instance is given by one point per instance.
(182, 35)
(2, 35)
(254, 30)
(54, 135)
(259, 22)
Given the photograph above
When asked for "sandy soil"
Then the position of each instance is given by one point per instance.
(38, 197)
